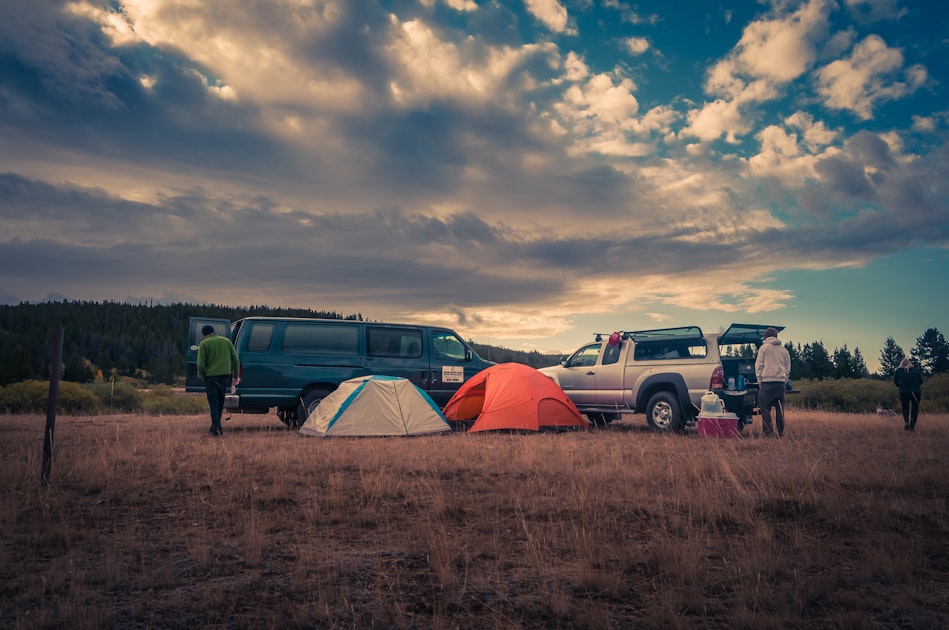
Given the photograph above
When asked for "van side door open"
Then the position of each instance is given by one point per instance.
(222, 327)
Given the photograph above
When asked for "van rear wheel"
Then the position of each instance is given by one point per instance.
(308, 402)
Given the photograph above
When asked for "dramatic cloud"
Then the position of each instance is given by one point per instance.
(551, 13)
(865, 78)
(510, 167)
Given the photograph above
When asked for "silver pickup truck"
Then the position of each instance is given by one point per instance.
(663, 373)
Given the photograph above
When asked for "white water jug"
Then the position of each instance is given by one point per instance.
(711, 403)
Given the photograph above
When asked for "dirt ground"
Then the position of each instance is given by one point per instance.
(149, 522)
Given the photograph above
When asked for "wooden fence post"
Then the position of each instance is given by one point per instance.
(55, 368)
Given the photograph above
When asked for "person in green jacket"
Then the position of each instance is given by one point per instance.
(217, 365)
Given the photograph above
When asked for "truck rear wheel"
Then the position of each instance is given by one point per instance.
(744, 421)
(663, 413)
(308, 402)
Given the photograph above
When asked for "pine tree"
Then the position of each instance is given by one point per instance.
(819, 360)
(890, 358)
(842, 363)
(858, 367)
(800, 369)
(931, 353)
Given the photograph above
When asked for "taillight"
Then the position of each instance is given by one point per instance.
(718, 378)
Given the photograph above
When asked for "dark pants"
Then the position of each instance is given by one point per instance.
(910, 403)
(771, 395)
(216, 387)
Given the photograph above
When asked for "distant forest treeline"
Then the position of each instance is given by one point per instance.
(144, 341)
(147, 342)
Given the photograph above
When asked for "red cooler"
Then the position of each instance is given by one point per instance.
(718, 424)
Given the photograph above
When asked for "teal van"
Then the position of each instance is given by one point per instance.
(291, 364)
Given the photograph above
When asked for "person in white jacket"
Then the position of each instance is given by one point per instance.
(773, 368)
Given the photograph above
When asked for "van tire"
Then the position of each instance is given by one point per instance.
(308, 402)
(664, 414)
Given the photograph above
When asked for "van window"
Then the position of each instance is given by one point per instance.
(448, 346)
(198, 324)
(405, 343)
(320, 339)
(261, 335)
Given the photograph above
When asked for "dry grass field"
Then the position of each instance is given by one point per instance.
(150, 523)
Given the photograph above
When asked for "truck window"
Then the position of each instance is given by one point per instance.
(696, 350)
(611, 354)
(585, 356)
(261, 336)
(448, 346)
(659, 350)
(321, 339)
(403, 343)
(745, 350)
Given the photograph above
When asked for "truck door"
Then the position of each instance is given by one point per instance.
(222, 327)
(397, 351)
(578, 378)
(611, 372)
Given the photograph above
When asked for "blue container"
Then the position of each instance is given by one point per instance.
(740, 383)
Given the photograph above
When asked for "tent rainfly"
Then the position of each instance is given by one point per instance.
(375, 406)
(513, 396)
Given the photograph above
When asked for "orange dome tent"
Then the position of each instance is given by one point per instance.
(513, 396)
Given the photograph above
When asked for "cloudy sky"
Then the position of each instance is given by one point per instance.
(527, 171)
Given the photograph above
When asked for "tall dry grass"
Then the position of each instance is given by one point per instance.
(148, 522)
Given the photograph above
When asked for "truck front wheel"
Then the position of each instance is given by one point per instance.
(663, 413)
(602, 420)
(308, 402)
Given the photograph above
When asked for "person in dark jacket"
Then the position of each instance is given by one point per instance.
(217, 365)
(910, 381)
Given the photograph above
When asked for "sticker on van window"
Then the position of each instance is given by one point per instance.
(453, 374)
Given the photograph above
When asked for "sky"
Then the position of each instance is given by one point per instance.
(527, 172)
